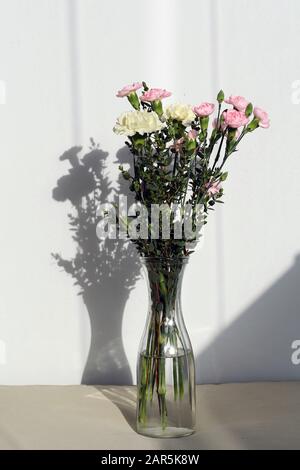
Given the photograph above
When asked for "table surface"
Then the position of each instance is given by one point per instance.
(264, 415)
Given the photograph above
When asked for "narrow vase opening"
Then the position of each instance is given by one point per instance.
(165, 371)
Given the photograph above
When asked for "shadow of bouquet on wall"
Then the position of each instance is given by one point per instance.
(104, 271)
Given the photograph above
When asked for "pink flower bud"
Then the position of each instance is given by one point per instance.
(263, 117)
(213, 187)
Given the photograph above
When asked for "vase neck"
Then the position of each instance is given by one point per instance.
(164, 278)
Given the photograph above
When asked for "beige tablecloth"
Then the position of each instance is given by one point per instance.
(229, 416)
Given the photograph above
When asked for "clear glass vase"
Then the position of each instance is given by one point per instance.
(165, 369)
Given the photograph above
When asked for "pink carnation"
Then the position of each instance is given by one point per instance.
(155, 94)
(126, 90)
(213, 188)
(238, 102)
(192, 134)
(222, 127)
(263, 117)
(235, 119)
(204, 109)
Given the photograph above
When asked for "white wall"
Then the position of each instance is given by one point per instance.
(62, 62)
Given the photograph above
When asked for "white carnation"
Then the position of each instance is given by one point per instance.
(181, 112)
(137, 121)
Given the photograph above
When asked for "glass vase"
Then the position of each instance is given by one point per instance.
(165, 369)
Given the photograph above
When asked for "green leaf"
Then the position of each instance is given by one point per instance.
(223, 176)
(136, 186)
(230, 145)
(213, 134)
(138, 140)
(126, 175)
(191, 144)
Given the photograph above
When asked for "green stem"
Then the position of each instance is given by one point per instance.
(243, 133)
(180, 377)
(152, 374)
(175, 368)
(219, 150)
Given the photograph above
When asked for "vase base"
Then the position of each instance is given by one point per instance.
(168, 432)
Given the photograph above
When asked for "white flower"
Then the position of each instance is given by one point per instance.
(138, 121)
(181, 112)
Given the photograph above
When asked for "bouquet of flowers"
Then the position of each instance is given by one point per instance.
(179, 154)
(178, 168)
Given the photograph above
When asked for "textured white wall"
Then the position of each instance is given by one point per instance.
(62, 62)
